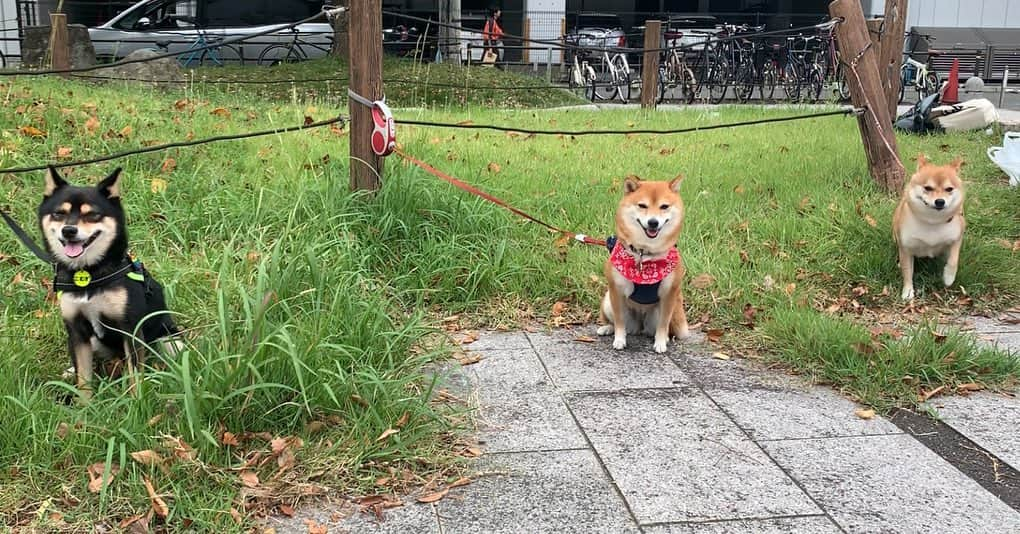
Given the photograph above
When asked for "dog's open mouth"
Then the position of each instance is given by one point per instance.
(652, 234)
(73, 249)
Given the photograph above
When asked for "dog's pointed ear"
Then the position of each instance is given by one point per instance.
(921, 161)
(631, 184)
(956, 163)
(674, 184)
(53, 181)
(110, 186)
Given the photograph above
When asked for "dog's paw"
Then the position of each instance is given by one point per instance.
(949, 275)
(660, 346)
(605, 330)
(68, 374)
(620, 343)
(908, 293)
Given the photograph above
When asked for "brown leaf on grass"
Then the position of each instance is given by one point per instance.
(220, 112)
(714, 335)
(924, 396)
(249, 478)
(494, 167)
(804, 204)
(864, 413)
(62, 430)
(181, 104)
(31, 131)
(386, 433)
(128, 521)
(92, 125)
(665, 151)
(970, 386)
(285, 461)
(287, 510)
(168, 166)
(126, 131)
(315, 528)
(230, 439)
(96, 480)
(584, 339)
(150, 458)
(864, 348)
(64, 152)
(158, 504)
(939, 337)
(433, 497)
(790, 288)
(749, 314)
(739, 189)
(180, 448)
(702, 281)
(468, 338)
(744, 257)
(465, 123)
(860, 290)
(158, 185)
(308, 120)
(870, 220)
(558, 308)
(154, 420)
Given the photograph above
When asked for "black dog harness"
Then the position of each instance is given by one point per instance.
(643, 293)
(81, 281)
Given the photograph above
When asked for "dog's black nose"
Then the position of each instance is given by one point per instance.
(69, 231)
(653, 224)
(940, 203)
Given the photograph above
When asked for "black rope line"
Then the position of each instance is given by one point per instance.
(217, 44)
(577, 133)
(710, 40)
(176, 144)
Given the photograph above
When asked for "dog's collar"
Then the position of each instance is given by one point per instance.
(65, 280)
(629, 261)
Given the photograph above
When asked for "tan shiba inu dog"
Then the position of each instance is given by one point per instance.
(645, 270)
(928, 221)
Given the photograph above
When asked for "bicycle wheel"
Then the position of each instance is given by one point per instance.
(660, 94)
(743, 81)
(930, 86)
(274, 55)
(791, 82)
(688, 86)
(815, 83)
(769, 76)
(219, 56)
(903, 83)
(590, 84)
(621, 77)
(718, 80)
(843, 87)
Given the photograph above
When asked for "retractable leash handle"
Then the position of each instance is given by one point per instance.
(384, 131)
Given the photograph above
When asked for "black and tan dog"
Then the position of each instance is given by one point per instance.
(111, 307)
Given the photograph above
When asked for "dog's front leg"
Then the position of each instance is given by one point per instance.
(952, 261)
(83, 361)
(907, 267)
(667, 306)
(619, 319)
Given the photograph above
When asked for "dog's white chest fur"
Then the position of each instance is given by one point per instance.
(928, 240)
(108, 303)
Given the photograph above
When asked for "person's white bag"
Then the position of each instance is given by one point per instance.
(1007, 156)
(975, 114)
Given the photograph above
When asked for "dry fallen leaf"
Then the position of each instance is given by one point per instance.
(864, 413)
(932, 393)
(970, 386)
(713, 335)
(287, 510)
(584, 339)
(64, 152)
(181, 449)
(749, 313)
(158, 185)
(249, 478)
(462, 481)
(158, 504)
(315, 528)
(169, 164)
(220, 112)
(433, 497)
(92, 125)
(386, 433)
(558, 308)
(31, 131)
(149, 458)
(870, 220)
(720, 355)
(95, 472)
(126, 131)
(229, 439)
(494, 167)
(702, 281)
(939, 337)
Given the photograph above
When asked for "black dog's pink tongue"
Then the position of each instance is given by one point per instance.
(73, 250)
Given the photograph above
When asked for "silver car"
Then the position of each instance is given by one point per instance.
(178, 25)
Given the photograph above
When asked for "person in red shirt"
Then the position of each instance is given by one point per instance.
(492, 33)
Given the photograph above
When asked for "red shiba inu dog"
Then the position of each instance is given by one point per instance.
(928, 221)
(644, 269)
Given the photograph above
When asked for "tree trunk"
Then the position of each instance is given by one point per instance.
(341, 36)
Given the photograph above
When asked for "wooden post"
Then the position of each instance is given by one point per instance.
(866, 91)
(891, 52)
(526, 43)
(366, 80)
(60, 51)
(650, 64)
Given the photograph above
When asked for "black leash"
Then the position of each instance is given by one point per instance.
(22, 236)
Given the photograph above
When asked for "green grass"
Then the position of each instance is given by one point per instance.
(414, 84)
(311, 307)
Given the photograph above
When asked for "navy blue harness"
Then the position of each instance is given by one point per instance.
(643, 293)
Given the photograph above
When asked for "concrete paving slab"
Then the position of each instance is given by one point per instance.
(492, 340)
(816, 413)
(988, 419)
(509, 370)
(558, 492)
(783, 525)
(412, 518)
(736, 373)
(580, 366)
(990, 325)
(676, 457)
(535, 420)
(891, 484)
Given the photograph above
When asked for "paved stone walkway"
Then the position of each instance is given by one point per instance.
(581, 438)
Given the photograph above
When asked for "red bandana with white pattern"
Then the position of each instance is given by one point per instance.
(648, 271)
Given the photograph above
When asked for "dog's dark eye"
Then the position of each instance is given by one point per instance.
(664, 207)
(93, 217)
(643, 206)
(949, 190)
(58, 216)
(929, 188)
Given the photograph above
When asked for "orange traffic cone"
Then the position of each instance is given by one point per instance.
(951, 95)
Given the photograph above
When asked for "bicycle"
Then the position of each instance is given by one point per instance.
(291, 52)
(196, 50)
(675, 73)
(924, 79)
(614, 73)
(581, 74)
